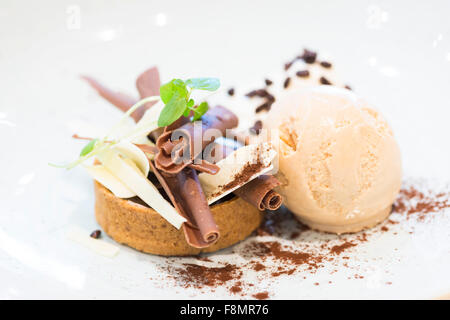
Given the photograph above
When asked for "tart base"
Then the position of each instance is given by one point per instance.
(143, 229)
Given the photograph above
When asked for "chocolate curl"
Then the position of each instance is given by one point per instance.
(120, 100)
(187, 196)
(203, 166)
(258, 192)
(218, 118)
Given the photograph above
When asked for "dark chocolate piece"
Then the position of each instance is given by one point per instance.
(256, 129)
(302, 74)
(171, 157)
(324, 80)
(326, 64)
(308, 56)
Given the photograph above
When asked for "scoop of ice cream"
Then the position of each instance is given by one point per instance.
(338, 160)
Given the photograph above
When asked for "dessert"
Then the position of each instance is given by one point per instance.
(186, 178)
(157, 189)
(339, 163)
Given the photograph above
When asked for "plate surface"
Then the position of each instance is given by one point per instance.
(396, 54)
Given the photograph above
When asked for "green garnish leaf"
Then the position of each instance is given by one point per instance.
(173, 110)
(200, 111)
(167, 90)
(88, 147)
(176, 96)
(209, 84)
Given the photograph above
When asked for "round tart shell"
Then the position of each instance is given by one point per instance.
(143, 229)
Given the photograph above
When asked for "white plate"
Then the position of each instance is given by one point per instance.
(396, 54)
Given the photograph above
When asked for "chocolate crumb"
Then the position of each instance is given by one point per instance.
(338, 249)
(302, 73)
(256, 129)
(324, 80)
(287, 65)
(96, 234)
(268, 82)
(264, 107)
(231, 92)
(258, 93)
(287, 82)
(326, 64)
(309, 56)
(261, 295)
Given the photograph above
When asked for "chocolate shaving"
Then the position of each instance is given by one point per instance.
(186, 194)
(118, 99)
(147, 84)
(171, 158)
(201, 166)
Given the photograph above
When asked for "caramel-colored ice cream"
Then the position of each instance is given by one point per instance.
(338, 160)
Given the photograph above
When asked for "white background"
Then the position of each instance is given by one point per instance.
(394, 53)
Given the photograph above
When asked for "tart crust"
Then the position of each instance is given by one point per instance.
(143, 229)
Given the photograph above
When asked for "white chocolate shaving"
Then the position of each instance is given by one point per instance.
(140, 185)
(234, 164)
(107, 179)
(130, 151)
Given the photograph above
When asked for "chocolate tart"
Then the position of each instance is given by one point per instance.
(143, 229)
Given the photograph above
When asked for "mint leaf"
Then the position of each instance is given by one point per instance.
(210, 84)
(167, 90)
(172, 110)
(200, 111)
(88, 147)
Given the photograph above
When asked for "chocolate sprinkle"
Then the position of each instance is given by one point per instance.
(308, 56)
(287, 82)
(258, 93)
(302, 73)
(348, 87)
(268, 82)
(326, 64)
(264, 107)
(256, 129)
(96, 234)
(287, 65)
(325, 81)
(231, 92)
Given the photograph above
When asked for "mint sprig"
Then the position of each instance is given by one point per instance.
(176, 96)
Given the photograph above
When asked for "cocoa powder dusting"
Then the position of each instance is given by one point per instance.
(283, 247)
